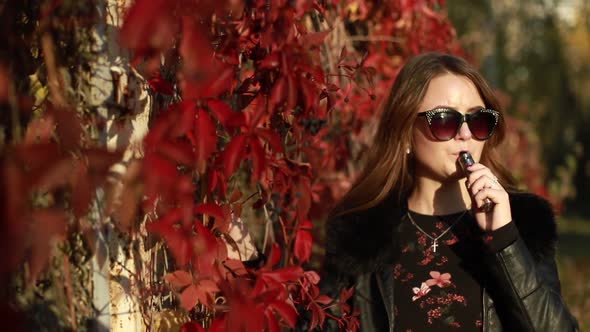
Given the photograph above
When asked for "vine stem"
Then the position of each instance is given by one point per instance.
(54, 80)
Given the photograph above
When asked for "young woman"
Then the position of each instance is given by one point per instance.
(414, 235)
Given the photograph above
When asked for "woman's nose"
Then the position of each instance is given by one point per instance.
(464, 132)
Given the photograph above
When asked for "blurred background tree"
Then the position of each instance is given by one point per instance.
(536, 53)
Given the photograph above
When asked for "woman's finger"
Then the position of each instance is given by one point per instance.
(484, 181)
(495, 195)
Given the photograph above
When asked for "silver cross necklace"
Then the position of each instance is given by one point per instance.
(435, 239)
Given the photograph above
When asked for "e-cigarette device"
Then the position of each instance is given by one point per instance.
(466, 160)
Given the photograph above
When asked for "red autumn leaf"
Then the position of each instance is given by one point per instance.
(257, 110)
(4, 84)
(431, 13)
(286, 311)
(179, 244)
(212, 181)
(186, 118)
(220, 110)
(148, 24)
(166, 174)
(291, 93)
(163, 127)
(233, 154)
(179, 278)
(272, 138)
(274, 257)
(290, 273)
(310, 92)
(189, 297)
(160, 85)
(312, 276)
(237, 209)
(303, 243)
(175, 237)
(39, 130)
(38, 157)
(192, 327)
(272, 322)
(323, 299)
(332, 87)
(202, 292)
(47, 225)
(221, 83)
(317, 74)
(258, 156)
(314, 38)
(203, 75)
(180, 152)
(346, 294)
(234, 267)
(206, 135)
(13, 227)
(277, 94)
(218, 324)
(235, 195)
(100, 160)
(207, 290)
(55, 175)
(302, 190)
(271, 61)
(82, 189)
(208, 250)
(210, 209)
(224, 114)
(318, 316)
(68, 127)
(217, 179)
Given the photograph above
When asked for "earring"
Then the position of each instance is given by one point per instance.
(408, 151)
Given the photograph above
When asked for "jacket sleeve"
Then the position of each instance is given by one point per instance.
(526, 292)
(333, 275)
(365, 303)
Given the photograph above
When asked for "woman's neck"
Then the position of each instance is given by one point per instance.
(435, 198)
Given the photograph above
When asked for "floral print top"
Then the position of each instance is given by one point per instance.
(438, 290)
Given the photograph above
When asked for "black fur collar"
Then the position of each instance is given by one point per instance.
(363, 242)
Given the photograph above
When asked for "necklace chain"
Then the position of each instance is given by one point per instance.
(435, 239)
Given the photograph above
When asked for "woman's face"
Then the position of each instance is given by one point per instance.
(435, 159)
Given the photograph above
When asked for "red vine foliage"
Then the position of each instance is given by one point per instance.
(271, 94)
(263, 95)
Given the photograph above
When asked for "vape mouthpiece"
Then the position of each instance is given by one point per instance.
(466, 160)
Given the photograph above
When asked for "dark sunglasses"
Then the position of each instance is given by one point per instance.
(445, 123)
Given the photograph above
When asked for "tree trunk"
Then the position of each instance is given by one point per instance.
(122, 102)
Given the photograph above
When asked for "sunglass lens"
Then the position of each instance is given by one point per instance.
(444, 125)
(482, 125)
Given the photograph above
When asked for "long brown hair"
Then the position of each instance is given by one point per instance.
(388, 168)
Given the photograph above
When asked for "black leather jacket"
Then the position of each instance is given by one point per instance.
(521, 290)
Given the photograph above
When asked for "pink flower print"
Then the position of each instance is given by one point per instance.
(423, 290)
(452, 240)
(440, 280)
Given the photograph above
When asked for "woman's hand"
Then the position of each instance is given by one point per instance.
(482, 184)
